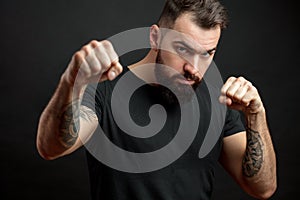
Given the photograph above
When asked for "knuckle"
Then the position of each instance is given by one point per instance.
(106, 63)
(114, 57)
(77, 55)
(106, 43)
(85, 49)
(241, 78)
(230, 93)
(78, 58)
(231, 79)
(223, 90)
(120, 69)
(254, 89)
(94, 43)
(99, 49)
(248, 84)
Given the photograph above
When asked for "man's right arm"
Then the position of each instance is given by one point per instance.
(65, 124)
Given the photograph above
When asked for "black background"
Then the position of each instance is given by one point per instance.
(38, 38)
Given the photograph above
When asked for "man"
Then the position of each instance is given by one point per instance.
(247, 154)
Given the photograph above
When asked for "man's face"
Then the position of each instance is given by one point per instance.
(189, 50)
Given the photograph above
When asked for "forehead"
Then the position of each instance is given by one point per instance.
(205, 38)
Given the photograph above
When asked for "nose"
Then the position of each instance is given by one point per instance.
(195, 66)
(191, 73)
(190, 69)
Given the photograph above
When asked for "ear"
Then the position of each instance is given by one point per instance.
(154, 37)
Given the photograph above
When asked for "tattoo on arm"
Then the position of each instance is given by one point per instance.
(87, 114)
(253, 158)
(69, 126)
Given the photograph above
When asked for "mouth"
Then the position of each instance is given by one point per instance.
(188, 79)
(185, 81)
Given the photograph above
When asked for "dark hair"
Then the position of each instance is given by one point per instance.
(206, 13)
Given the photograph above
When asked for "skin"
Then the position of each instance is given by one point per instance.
(247, 156)
(59, 131)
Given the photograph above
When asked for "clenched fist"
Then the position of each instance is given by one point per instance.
(240, 94)
(95, 62)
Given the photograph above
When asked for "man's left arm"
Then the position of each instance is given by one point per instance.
(249, 156)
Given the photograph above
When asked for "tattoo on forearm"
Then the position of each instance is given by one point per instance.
(253, 158)
(87, 114)
(70, 119)
(69, 127)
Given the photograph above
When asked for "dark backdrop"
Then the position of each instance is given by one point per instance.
(37, 39)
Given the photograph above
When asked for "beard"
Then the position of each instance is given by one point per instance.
(183, 91)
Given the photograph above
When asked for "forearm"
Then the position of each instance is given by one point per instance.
(58, 128)
(59, 123)
(259, 162)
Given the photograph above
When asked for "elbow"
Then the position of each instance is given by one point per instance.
(45, 148)
(46, 156)
(267, 193)
(43, 152)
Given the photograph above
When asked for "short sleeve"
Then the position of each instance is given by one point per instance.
(93, 99)
(233, 123)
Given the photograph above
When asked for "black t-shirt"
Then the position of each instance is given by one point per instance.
(188, 177)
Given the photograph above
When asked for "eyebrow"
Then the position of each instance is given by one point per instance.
(211, 50)
(192, 49)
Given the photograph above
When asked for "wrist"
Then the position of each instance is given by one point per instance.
(254, 117)
(76, 88)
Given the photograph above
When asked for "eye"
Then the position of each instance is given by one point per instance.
(206, 54)
(182, 50)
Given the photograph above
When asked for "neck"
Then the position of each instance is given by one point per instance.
(149, 58)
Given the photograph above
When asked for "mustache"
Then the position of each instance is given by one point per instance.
(187, 76)
(191, 77)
